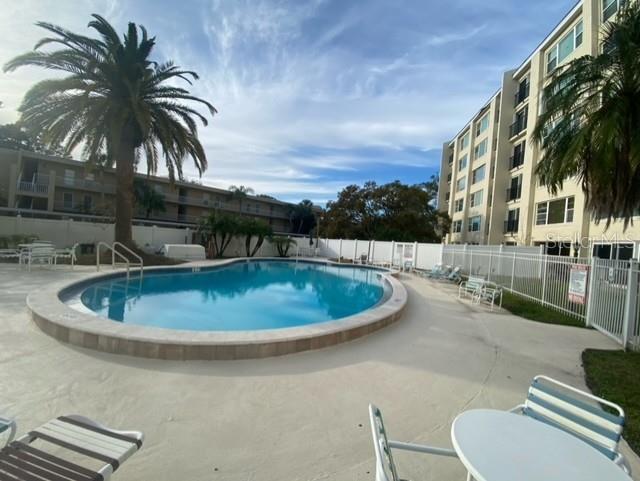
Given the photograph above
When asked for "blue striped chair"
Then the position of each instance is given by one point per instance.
(594, 420)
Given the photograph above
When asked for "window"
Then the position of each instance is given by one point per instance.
(158, 188)
(459, 205)
(514, 192)
(558, 211)
(464, 141)
(461, 184)
(610, 7)
(517, 159)
(513, 221)
(482, 125)
(90, 177)
(476, 198)
(481, 149)
(560, 51)
(205, 198)
(457, 226)
(478, 174)
(447, 196)
(520, 122)
(475, 223)
(462, 163)
(87, 202)
(69, 176)
(67, 200)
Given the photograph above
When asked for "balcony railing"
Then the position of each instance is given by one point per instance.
(511, 226)
(521, 95)
(516, 160)
(38, 184)
(518, 126)
(514, 193)
(85, 184)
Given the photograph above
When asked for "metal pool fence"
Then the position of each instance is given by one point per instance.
(607, 292)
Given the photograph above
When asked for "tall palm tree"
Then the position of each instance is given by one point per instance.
(116, 102)
(590, 127)
(240, 193)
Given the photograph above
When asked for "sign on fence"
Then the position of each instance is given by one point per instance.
(578, 283)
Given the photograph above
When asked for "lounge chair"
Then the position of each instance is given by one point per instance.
(77, 437)
(439, 272)
(385, 466)
(454, 275)
(9, 254)
(37, 254)
(69, 253)
(579, 413)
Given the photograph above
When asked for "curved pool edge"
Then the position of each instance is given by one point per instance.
(71, 326)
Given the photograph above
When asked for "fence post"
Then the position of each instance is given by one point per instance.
(470, 262)
(489, 268)
(544, 279)
(630, 307)
(513, 270)
(591, 280)
(340, 251)
(355, 250)
(415, 255)
(373, 251)
(442, 254)
(393, 250)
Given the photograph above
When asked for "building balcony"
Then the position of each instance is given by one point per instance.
(521, 95)
(517, 127)
(85, 184)
(37, 185)
(516, 160)
(511, 226)
(514, 193)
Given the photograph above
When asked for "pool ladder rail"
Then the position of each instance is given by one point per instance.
(123, 260)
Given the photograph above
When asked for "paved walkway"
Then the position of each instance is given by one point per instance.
(300, 417)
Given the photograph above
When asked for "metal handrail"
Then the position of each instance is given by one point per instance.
(121, 256)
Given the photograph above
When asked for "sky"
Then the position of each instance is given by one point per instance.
(313, 95)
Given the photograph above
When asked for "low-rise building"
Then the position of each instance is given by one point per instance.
(40, 185)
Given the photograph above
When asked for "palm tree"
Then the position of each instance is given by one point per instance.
(590, 128)
(147, 198)
(240, 192)
(302, 217)
(116, 102)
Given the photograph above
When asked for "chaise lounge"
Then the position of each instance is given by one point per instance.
(60, 443)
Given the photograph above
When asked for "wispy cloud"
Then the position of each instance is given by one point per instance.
(319, 94)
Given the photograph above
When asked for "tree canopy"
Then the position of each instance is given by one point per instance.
(393, 211)
(590, 126)
(302, 217)
(16, 137)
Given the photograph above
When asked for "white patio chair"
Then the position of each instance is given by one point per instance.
(37, 254)
(385, 466)
(579, 413)
(69, 253)
(31, 457)
(9, 254)
(7, 425)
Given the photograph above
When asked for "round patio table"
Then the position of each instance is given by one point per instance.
(503, 446)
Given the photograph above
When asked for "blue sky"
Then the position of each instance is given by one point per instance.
(315, 95)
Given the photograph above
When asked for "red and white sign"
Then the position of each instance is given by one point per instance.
(578, 280)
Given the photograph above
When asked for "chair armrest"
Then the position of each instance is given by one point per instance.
(9, 424)
(420, 448)
(623, 463)
(518, 409)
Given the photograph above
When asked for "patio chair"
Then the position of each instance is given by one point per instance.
(9, 254)
(69, 253)
(578, 413)
(491, 293)
(75, 436)
(37, 254)
(440, 272)
(454, 275)
(472, 286)
(385, 466)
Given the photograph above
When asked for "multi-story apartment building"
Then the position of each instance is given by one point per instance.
(41, 185)
(488, 184)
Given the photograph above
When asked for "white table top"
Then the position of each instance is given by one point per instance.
(502, 446)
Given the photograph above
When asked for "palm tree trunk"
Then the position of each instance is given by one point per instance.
(124, 191)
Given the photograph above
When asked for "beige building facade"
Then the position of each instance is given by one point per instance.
(512, 208)
(44, 186)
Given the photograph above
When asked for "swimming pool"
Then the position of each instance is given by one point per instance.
(221, 310)
(261, 294)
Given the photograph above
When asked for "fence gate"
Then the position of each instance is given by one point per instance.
(403, 253)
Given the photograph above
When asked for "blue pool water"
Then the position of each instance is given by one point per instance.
(241, 296)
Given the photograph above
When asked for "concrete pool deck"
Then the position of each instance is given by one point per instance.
(297, 417)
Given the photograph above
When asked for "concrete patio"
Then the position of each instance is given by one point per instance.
(299, 417)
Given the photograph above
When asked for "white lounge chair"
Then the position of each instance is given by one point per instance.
(37, 254)
(385, 466)
(31, 457)
(69, 253)
(579, 413)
